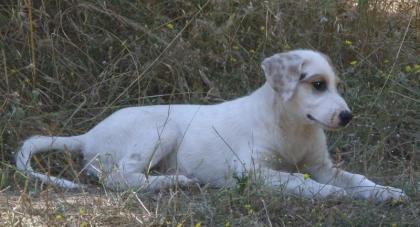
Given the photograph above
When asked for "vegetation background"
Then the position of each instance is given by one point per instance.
(67, 64)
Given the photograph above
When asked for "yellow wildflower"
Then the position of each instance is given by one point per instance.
(417, 68)
(394, 225)
(179, 225)
(82, 211)
(408, 69)
(306, 176)
(170, 25)
(232, 59)
(84, 224)
(348, 42)
(249, 208)
(395, 202)
(353, 62)
(58, 217)
(227, 224)
(198, 224)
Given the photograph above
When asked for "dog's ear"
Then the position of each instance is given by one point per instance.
(283, 72)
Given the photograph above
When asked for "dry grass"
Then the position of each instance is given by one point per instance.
(65, 65)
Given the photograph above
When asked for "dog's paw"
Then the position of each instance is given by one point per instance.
(329, 191)
(390, 194)
(337, 192)
(385, 194)
(183, 180)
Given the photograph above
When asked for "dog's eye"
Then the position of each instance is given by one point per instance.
(319, 85)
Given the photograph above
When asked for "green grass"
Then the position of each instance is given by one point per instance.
(66, 65)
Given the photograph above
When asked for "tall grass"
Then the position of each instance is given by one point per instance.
(65, 65)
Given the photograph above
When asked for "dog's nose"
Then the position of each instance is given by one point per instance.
(345, 117)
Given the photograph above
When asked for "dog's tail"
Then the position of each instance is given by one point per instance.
(39, 144)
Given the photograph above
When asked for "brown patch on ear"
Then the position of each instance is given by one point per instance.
(277, 83)
(291, 57)
(282, 72)
(275, 65)
(293, 70)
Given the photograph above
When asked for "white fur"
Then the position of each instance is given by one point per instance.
(266, 134)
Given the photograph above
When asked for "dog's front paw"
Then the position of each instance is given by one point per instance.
(390, 194)
(329, 191)
(183, 180)
(384, 194)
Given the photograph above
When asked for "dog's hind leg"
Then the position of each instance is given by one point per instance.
(121, 180)
(132, 172)
(143, 154)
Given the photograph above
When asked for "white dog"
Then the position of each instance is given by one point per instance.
(271, 133)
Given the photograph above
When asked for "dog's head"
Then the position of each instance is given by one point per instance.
(307, 85)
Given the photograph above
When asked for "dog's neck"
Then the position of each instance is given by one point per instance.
(270, 108)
